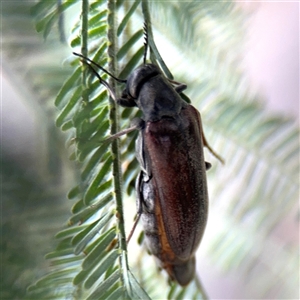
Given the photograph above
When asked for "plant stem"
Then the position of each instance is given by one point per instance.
(84, 46)
(153, 48)
(117, 174)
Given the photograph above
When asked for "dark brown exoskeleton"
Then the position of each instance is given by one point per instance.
(171, 188)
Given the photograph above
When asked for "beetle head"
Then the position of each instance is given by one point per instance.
(138, 77)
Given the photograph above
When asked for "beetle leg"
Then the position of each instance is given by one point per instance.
(139, 200)
(133, 228)
(140, 156)
(136, 124)
(205, 143)
(120, 133)
(139, 194)
(179, 86)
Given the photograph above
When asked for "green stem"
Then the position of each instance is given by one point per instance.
(153, 48)
(114, 117)
(84, 45)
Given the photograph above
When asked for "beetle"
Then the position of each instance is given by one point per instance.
(171, 188)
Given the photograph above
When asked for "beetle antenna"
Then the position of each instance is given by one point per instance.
(102, 81)
(101, 68)
(145, 42)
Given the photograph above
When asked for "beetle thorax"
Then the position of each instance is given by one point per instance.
(153, 93)
(157, 99)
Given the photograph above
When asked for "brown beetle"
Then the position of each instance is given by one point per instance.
(172, 197)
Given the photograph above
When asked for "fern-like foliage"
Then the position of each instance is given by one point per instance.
(90, 260)
(102, 271)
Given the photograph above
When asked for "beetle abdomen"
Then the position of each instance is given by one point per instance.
(184, 272)
(158, 244)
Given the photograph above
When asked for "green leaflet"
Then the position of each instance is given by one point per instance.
(97, 19)
(96, 256)
(59, 277)
(137, 290)
(42, 7)
(93, 34)
(117, 294)
(60, 253)
(47, 21)
(78, 206)
(89, 211)
(129, 44)
(92, 190)
(85, 147)
(69, 107)
(93, 161)
(69, 260)
(83, 238)
(104, 286)
(95, 126)
(101, 269)
(104, 242)
(74, 192)
(67, 125)
(127, 16)
(83, 231)
(69, 232)
(64, 244)
(133, 62)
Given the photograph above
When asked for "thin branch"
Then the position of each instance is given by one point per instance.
(114, 117)
(84, 45)
(153, 48)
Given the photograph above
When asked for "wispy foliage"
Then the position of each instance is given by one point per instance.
(89, 261)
